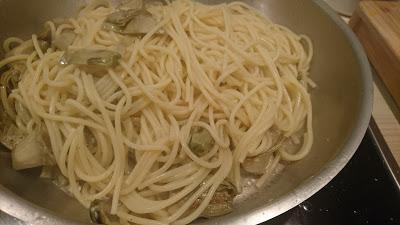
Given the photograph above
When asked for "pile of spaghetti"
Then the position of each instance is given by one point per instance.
(152, 113)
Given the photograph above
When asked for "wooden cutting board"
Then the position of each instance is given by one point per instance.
(377, 24)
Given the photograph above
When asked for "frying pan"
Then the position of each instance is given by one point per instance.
(342, 105)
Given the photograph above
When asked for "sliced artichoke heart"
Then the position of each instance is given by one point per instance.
(118, 20)
(104, 58)
(121, 17)
(45, 34)
(132, 22)
(258, 164)
(200, 141)
(29, 153)
(10, 134)
(143, 23)
(99, 212)
(10, 78)
(64, 40)
(44, 38)
(222, 201)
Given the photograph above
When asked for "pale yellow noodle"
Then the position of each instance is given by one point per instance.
(122, 136)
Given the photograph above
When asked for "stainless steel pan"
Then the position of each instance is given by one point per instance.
(341, 106)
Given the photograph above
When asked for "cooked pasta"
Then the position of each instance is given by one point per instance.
(153, 113)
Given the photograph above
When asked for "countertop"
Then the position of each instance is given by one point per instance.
(386, 115)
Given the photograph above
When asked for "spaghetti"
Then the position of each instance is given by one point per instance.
(125, 134)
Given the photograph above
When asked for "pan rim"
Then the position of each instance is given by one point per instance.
(20, 208)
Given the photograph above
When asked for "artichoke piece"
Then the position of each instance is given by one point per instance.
(48, 172)
(118, 20)
(134, 21)
(112, 27)
(222, 201)
(44, 45)
(65, 39)
(44, 38)
(99, 212)
(29, 153)
(258, 164)
(10, 78)
(53, 174)
(121, 18)
(10, 135)
(142, 23)
(45, 34)
(103, 58)
(200, 141)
